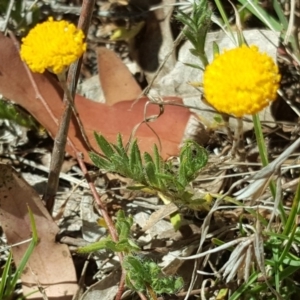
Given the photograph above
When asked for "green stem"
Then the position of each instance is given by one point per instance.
(293, 214)
(224, 17)
(264, 158)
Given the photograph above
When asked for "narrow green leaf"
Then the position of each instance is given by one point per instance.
(6, 274)
(176, 221)
(280, 13)
(148, 158)
(136, 187)
(105, 243)
(242, 288)
(104, 145)
(100, 162)
(25, 257)
(119, 148)
(224, 17)
(291, 260)
(152, 180)
(159, 164)
(127, 246)
(261, 14)
(135, 163)
(194, 66)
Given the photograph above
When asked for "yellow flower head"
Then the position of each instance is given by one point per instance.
(52, 45)
(241, 81)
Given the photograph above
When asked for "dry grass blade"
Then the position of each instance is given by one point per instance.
(263, 177)
(236, 261)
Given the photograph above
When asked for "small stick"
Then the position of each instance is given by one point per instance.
(62, 133)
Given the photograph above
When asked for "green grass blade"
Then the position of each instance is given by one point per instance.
(278, 9)
(6, 274)
(262, 15)
(291, 221)
(26, 256)
(288, 245)
(238, 293)
(225, 18)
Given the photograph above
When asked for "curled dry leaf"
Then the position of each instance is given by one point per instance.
(121, 117)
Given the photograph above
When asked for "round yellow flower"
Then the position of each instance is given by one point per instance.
(52, 45)
(241, 81)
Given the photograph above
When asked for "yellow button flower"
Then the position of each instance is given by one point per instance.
(52, 45)
(241, 81)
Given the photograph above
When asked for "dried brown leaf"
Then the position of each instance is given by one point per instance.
(122, 117)
(50, 266)
(116, 80)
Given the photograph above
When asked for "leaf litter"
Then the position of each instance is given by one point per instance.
(163, 243)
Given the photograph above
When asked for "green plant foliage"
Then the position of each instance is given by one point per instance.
(197, 25)
(143, 275)
(152, 173)
(16, 114)
(125, 244)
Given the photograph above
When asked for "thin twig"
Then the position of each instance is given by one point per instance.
(62, 133)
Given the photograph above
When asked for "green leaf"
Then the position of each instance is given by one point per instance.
(100, 162)
(148, 158)
(6, 275)
(152, 179)
(105, 243)
(257, 10)
(159, 163)
(291, 260)
(216, 49)
(34, 241)
(192, 159)
(194, 66)
(104, 145)
(13, 112)
(135, 163)
(176, 221)
(119, 148)
(136, 187)
(142, 274)
(123, 225)
(196, 27)
(127, 246)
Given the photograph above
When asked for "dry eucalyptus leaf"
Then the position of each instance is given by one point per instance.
(109, 120)
(164, 211)
(50, 266)
(116, 80)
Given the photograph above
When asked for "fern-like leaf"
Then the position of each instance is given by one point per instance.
(104, 145)
(100, 162)
(135, 163)
(119, 148)
(151, 177)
